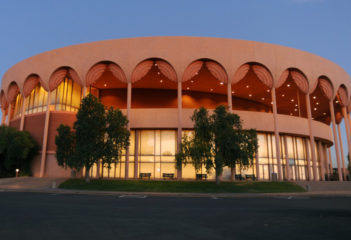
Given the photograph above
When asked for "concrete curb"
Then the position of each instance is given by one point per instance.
(187, 195)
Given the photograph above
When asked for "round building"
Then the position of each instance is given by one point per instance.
(295, 100)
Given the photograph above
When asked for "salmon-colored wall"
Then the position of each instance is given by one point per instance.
(34, 124)
(57, 118)
(154, 98)
(116, 98)
(191, 99)
(16, 123)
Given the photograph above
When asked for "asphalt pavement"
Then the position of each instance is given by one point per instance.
(55, 215)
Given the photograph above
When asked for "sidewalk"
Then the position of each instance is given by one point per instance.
(49, 185)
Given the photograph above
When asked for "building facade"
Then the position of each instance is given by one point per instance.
(294, 99)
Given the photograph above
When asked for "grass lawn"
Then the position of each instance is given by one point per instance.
(181, 186)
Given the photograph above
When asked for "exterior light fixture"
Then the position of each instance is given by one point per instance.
(17, 171)
(291, 114)
(196, 73)
(272, 103)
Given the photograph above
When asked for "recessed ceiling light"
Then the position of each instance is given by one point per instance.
(262, 99)
(283, 95)
(232, 91)
(324, 113)
(192, 81)
(337, 101)
(295, 105)
(317, 103)
(247, 86)
(156, 64)
(158, 73)
(105, 85)
(288, 85)
(250, 95)
(211, 89)
(314, 97)
(315, 109)
(187, 88)
(161, 81)
(268, 90)
(221, 83)
(295, 109)
(292, 100)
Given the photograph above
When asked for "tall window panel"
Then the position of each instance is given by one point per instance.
(18, 106)
(67, 96)
(36, 101)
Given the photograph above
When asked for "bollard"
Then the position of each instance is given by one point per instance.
(53, 184)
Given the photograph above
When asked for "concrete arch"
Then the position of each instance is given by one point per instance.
(298, 76)
(215, 68)
(260, 70)
(60, 73)
(3, 101)
(326, 86)
(12, 92)
(99, 68)
(30, 83)
(144, 67)
(342, 95)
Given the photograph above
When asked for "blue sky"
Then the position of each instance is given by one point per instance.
(322, 27)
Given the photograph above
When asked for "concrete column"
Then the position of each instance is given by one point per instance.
(325, 156)
(287, 159)
(129, 105)
(342, 153)
(312, 143)
(45, 137)
(346, 122)
(309, 173)
(337, 153)
(276, 133)
(4, 114)
(321, 160)
(136, 153)
(257, 167)
(179, 128)
(9, 114)
(330, 161)
(229, 96)
(84, 91)
(22, 113)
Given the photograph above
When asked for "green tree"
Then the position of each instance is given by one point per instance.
(17, 148)
(116, 136)
(218, 141)
(90, 132)
(65, 141)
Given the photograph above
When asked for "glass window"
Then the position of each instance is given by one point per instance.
(67, 96)
(36, 101)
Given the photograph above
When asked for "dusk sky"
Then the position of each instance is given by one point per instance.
(322, 27)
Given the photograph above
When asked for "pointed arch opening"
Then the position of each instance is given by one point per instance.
(35, 95)
(66, 90)
(107, 81)
(204, 84)
(320, 98)
(251, 88)
(340, 101)
(154, 84)
(291, 91)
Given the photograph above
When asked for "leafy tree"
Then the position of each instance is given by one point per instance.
(65, 141)
(218, 141)
(17, 148)
(116, 136)
(90, 132)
